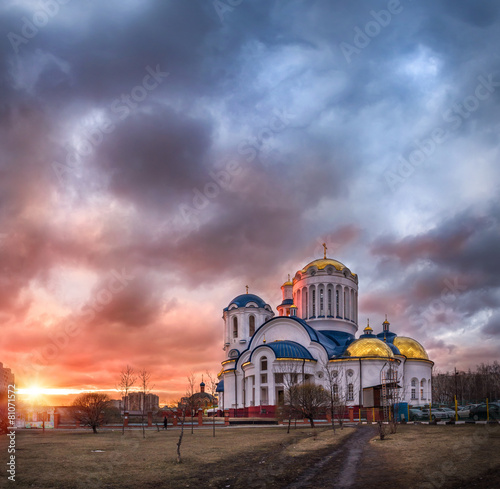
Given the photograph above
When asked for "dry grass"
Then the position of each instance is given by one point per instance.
(417, 456)
(427, 456)
(236, 457)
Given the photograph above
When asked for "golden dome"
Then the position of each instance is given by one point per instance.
(410, 348)
(322, 263)
(369, 347)
(288, 282)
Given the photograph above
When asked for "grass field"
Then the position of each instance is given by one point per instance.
(420, 456)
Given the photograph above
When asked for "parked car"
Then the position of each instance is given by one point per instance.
(450, 412)
(463, 411)
(479, 412)
(417, 415)
(438, 413)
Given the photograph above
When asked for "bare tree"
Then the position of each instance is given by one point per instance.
(127, 380)
(145, 386)
(309, 400)
(90, 409)
(184, 405)
(193, 400)
(189, 401)
(289, 374)
(212, 387)
(337, 392)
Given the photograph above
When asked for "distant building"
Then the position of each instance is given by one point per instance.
(136, 400)
(201, 400)
(6, 378)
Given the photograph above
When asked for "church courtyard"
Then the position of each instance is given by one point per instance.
(420, 456)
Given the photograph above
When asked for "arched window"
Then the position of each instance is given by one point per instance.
(313, 304)
(337, 302)
(263, 364)
(414, 388)
(251, 325)
(321, 303)
(235, 327)
(329, 302)
(335, 392)
(422, 388)
(350, 392)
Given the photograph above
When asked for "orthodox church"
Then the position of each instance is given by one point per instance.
(313, 339)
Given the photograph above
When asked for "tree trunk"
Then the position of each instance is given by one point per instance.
(311, 420)
(180, 438)
(94, 429)
(289, 423)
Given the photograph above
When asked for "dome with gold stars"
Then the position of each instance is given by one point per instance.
(369, 347)
(410, 348)
(322, 263)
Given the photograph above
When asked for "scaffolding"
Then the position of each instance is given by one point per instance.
(389, 384)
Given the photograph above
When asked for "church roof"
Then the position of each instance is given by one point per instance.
(287, 349)
(369, 347)
(243, 299)
(322, 263)
(410, 348)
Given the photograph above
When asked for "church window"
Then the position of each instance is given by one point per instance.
(413, 393)
(294, 378)
(346, 308)
(337, 301)
(335, 392)
(313, 296)
(321, 306)
(329, 302)
(235, 327)
(422, 394)
(278, 378)
(263, 364)
(350, 392)
(263, 379)
(251, 327)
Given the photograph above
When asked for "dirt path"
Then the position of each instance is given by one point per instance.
(338, 469)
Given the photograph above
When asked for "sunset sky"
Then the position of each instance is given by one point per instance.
(159, 156)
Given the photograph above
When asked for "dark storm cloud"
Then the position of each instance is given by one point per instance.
(314, 180)
(467, 244)
(155, 157)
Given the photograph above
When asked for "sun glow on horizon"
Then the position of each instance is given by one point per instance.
(35, 391)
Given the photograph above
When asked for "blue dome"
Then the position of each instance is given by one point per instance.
(287, 349)
(243, 299)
